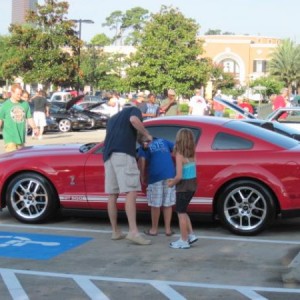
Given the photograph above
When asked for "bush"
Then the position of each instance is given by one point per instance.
(184, 108)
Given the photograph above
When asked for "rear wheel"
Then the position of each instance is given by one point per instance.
(92, 124)
(246, 207)
(30, 198)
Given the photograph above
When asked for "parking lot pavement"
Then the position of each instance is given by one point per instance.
(219, 266)
(83, 136)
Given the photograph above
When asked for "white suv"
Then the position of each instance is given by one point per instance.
(61, 97)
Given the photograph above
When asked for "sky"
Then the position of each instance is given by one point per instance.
(271, 18)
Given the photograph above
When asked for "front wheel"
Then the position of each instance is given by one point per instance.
(65, 125)
(30, 198)
(246, 207)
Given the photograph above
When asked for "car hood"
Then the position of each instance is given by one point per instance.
(42, 150)
(235, 108)
(73, 101)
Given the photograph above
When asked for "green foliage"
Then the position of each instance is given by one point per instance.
(37, 47)
(285, 62)
(103, 70)
(131, 21)
(184, 108)
(100, 40)
(273, 85)
(6, 52)
(168, 55)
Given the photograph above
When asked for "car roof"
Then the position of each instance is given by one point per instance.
(188, 119)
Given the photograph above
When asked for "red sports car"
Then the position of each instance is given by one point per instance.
(247, 175)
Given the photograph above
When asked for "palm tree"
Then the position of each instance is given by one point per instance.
(285, 63)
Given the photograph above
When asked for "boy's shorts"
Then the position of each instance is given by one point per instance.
(121, 174)
(159, 194)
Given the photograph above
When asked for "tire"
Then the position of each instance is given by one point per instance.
(92, 124)
(64, 125)
(246, 207)
(30, 198)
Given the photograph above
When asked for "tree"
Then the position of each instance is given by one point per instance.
(6, 53)
(168, 55)
(131, 21)
(100, 39)
(272, 85)
(103, 70)
(114, 22)
(285, 63)
(134, 20)
(40, 47)
(213, 32)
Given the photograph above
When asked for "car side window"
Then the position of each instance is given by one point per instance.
(169, 132)
(225, 141)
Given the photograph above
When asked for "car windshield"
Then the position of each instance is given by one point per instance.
(267, 135)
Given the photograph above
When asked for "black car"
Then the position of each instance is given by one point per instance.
(94, 120)
(97, 120)
(67, 120)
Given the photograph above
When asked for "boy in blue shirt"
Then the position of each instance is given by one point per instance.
(156, 167)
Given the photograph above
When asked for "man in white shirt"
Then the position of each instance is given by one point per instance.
(197, 104)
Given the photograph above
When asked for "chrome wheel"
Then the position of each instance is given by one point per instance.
(30, 198)
(64, 125)
(246, 207)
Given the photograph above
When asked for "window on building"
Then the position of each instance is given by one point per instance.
(260, 66)
(230, 66)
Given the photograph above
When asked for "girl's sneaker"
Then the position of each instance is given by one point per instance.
(192, 239)
(180, 244)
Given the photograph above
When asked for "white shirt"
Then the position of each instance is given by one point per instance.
(198, 105)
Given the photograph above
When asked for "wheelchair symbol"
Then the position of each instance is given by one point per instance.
(19, 241)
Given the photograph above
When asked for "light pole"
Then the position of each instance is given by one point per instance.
(80, 21)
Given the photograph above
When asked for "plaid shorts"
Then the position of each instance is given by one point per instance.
(159, 194)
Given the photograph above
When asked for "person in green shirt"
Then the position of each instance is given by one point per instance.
(14, 113)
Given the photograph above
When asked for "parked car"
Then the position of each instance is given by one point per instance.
(91, 98)
(100, 108)
(61, 97)
(52, 125)
(272, 122)
(98, 120)
(247, 176)
(76, 110)
(66, 119)
(289, 116)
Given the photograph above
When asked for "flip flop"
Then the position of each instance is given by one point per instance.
(147, 232)
(170, 233)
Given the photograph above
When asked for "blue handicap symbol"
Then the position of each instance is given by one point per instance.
(37, 246)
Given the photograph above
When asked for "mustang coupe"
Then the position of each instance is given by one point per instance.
(247, 175)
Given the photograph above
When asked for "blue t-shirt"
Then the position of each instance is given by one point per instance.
(159, 160)
(120, 134)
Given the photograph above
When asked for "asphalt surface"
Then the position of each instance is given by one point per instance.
(89, 265)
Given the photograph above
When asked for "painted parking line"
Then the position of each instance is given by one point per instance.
(86, 284)
(37, 246)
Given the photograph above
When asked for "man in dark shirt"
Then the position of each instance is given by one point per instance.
(121, 171)
(40, 111)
